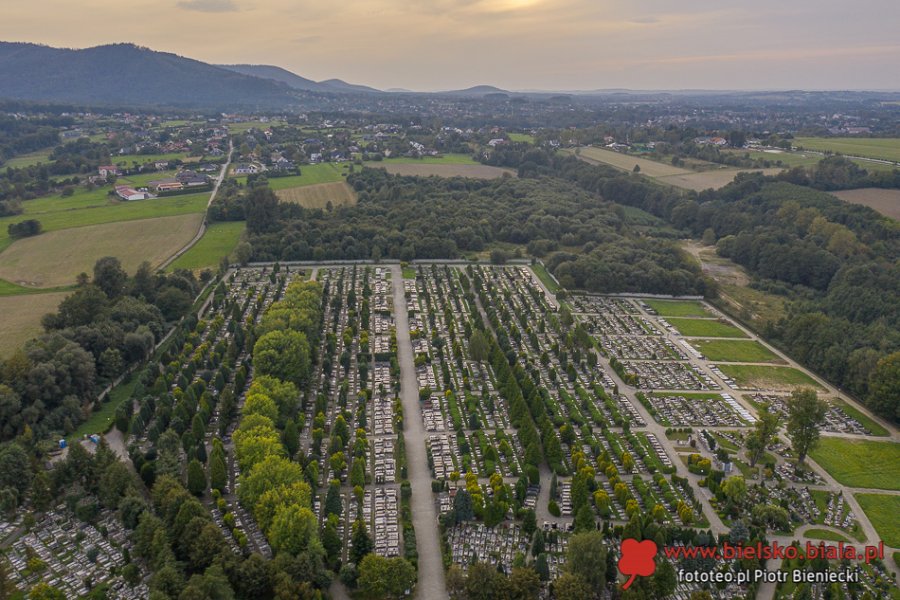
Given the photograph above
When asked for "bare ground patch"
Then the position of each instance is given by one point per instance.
(887, 202)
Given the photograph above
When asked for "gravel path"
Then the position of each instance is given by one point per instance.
(431, 569)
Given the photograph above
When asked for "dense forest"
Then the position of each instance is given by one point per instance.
(111, 322)
(837, 261)
(584, 240)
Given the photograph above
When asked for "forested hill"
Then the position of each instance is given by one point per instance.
(125, 74)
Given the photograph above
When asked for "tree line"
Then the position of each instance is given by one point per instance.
(109, 323)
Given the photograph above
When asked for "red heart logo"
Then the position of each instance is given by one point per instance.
(637, 559)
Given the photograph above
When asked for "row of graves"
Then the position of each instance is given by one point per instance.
(836, 418)
(355, 382)
(466, 416)
(698, 410)
(380, 512)
(254, 290)
(74, 556)
(212, 359)
(640, 346)
(471, 543)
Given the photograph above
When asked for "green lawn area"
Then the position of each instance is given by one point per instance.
(218, 241)
(705, 328)
(101, 420)
(544, 275)
(8, 288)
(884, 148)
(860, 463)
(764, 377)
(409, 272)
(882, 511)
(521, 137)
(27, 160)
(678, 308)
(310, 175)
(96, 207)
(825, 534)
(735, 351)
(865, 421)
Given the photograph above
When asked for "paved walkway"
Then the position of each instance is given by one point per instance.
(431, 568)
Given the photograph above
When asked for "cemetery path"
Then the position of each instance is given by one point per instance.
(766, 589)
(701, 493)
(431, 568)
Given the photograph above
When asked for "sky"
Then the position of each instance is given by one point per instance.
(429, 45)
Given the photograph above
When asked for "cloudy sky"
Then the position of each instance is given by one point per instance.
(514, 44)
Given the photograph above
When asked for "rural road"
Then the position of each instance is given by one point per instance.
(428, 544)
(212, 197)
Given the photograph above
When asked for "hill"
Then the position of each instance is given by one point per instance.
(337, 85)
(478, 90)
(297, 82)
(121, 74)
(277, 74)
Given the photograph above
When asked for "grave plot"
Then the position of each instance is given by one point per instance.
(656, 375)
(705, 410)
(203, 380)
(352, 409)
(249, 413)
(72, 555)
(641, 347)
(497, 546)
(836, 419)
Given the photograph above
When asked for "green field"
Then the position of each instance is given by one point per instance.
(767, 378)
(705, 328)
(7, 288)
(521, 137)
(27, 160)
(310, 175)
(735, 351)
(320, 195)
(678, 308)
(97, 207)
(56, 258)
(219, 240)
(860, 463)
(882, 511)
(882, 148)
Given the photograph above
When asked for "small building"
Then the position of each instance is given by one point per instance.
(129, 193)
(246, 169)
(107, 171)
